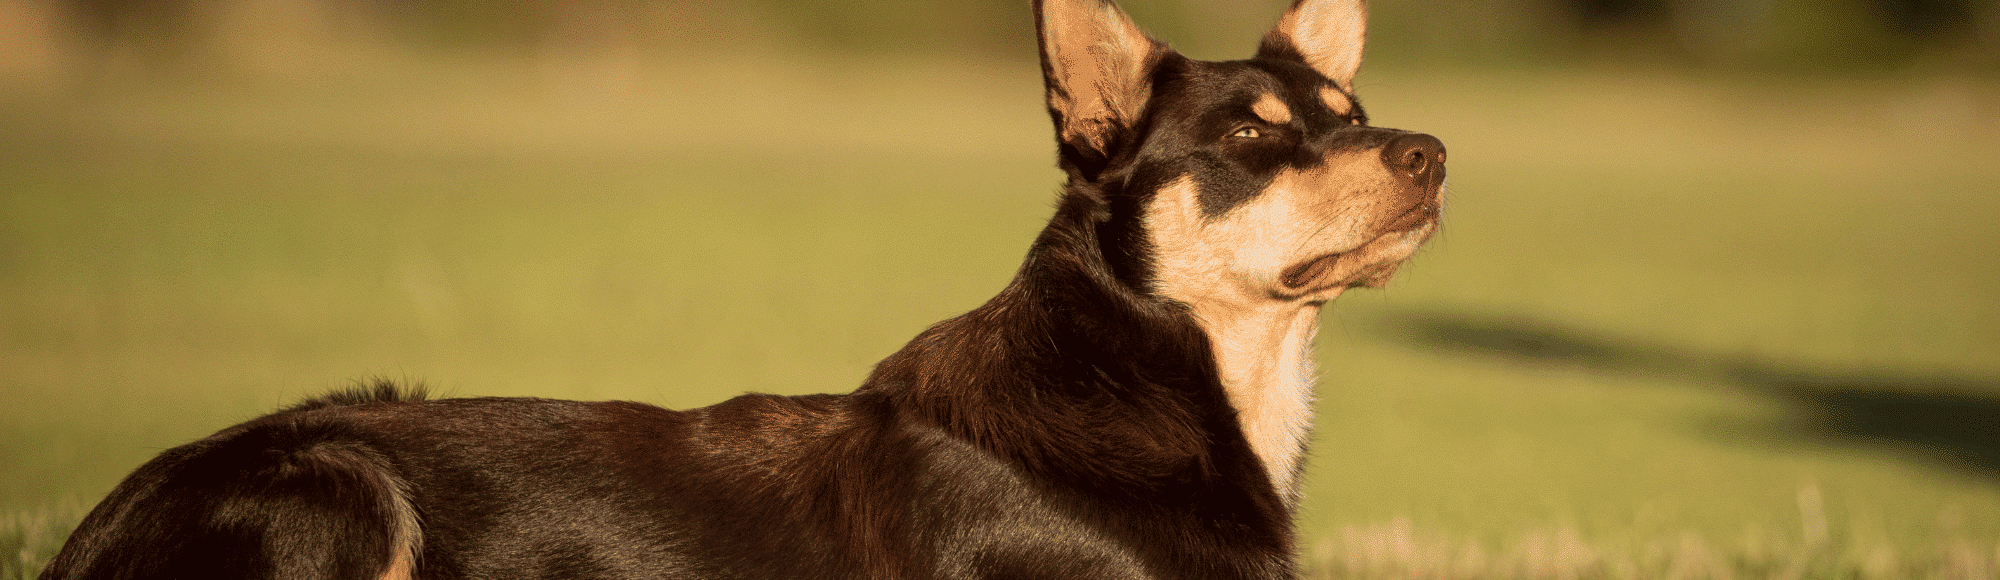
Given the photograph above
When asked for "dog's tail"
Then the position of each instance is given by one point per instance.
(293, 496)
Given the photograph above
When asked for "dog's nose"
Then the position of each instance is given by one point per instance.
(1417, 156)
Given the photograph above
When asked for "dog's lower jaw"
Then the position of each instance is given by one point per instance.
(1263, 354)
(1369, 265)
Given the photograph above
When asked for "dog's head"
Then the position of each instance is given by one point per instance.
(1233, 182)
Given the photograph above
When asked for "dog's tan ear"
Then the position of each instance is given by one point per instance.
(1096, 65)
(1326, 34)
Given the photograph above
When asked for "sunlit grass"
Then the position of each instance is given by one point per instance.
(1396, 549)
(29, 538)
(1585, 376)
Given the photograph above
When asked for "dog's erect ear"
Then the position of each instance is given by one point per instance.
(1096, 65)
(1326, 34)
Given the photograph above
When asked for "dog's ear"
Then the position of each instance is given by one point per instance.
(1325, 34)
(1096, 65)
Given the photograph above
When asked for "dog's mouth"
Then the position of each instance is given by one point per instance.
(1372, 263)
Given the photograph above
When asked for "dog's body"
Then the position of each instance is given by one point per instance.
(1133, 405)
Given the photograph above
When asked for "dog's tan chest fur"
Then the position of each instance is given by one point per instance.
(1265, 359)
(1222, 269)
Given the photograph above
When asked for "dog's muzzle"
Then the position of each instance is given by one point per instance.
(1418, 159)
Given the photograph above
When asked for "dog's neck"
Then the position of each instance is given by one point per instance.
(1263, 353)
(1070, 366)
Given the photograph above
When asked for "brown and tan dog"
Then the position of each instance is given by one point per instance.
(1133, 405)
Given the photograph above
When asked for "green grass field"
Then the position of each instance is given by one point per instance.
(1676, 327)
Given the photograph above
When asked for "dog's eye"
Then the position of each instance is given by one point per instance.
(1247, 133)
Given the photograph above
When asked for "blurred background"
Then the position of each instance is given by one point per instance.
(1716, 296)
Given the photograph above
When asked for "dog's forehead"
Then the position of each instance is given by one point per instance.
(1206, 85)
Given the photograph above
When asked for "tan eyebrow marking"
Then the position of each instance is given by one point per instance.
(1271, 110)
(1336, 99)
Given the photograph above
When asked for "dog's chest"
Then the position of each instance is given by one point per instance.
(1265, 361)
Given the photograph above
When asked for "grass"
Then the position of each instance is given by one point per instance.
(1677, 327)
(1395, 550)
(30, 538)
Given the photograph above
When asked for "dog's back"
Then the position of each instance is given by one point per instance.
(760, 486)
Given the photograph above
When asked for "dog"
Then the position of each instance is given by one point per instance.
(1134, 404)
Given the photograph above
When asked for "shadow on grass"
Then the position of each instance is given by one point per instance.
(1954, 420)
